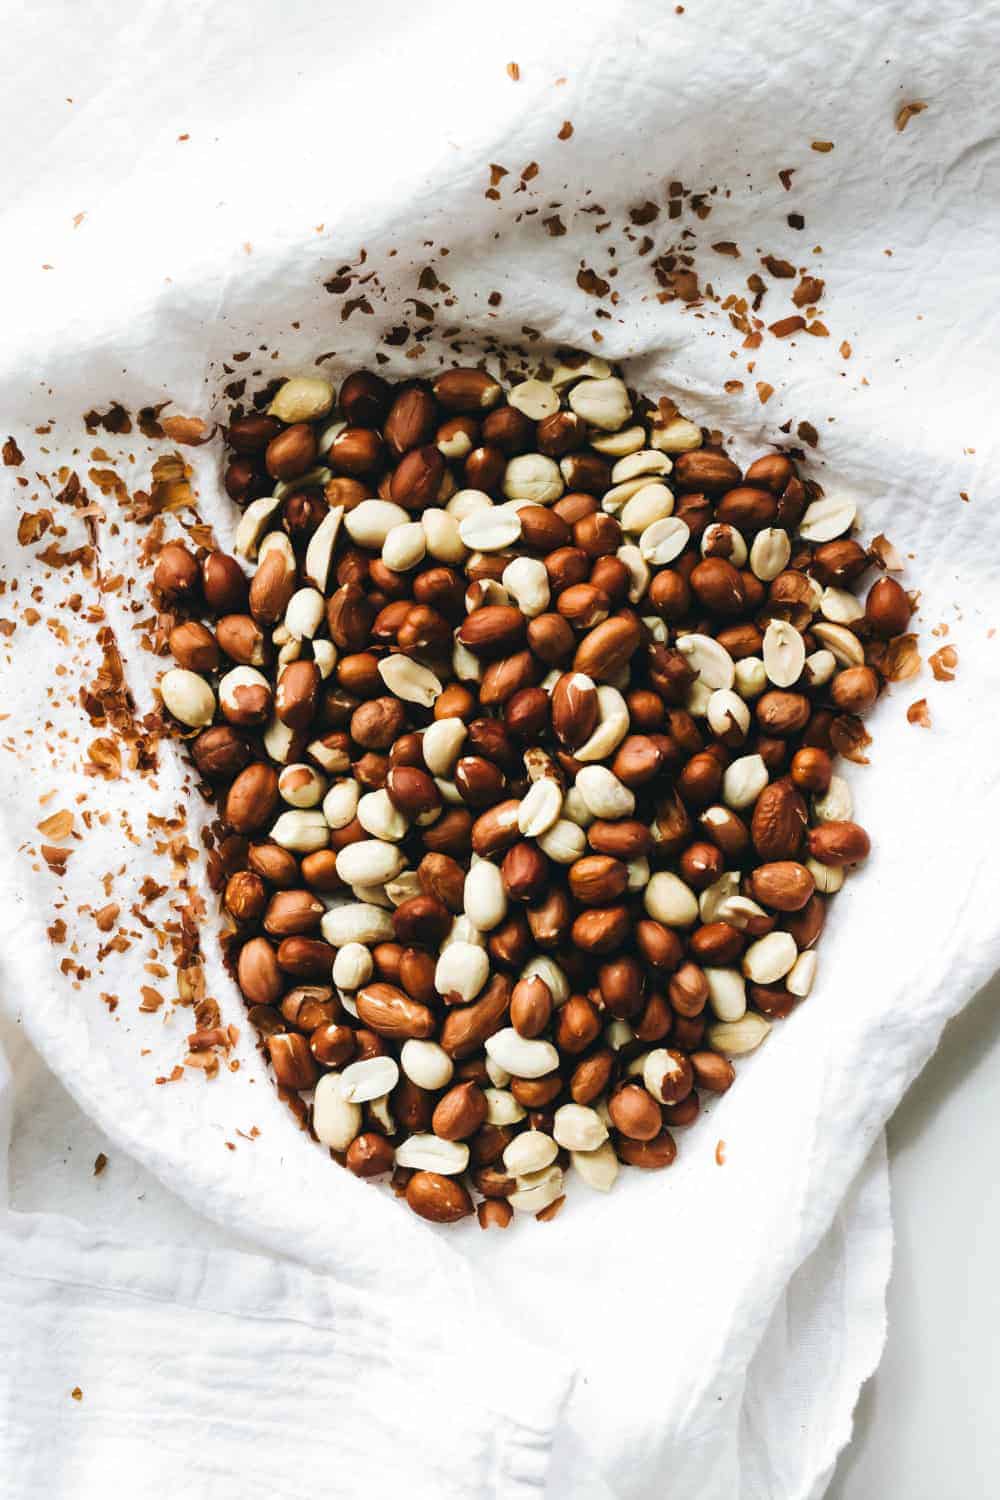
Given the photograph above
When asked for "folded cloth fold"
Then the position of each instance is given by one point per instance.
(207, 1371)
(173, 1370)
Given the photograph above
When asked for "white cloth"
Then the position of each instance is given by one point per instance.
(220, 1374)
(642, 1312)
(85, 1308)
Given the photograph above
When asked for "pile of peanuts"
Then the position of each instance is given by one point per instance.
(521, 729)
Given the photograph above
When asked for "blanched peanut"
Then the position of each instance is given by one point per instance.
(336, 1120)
(519, 1056)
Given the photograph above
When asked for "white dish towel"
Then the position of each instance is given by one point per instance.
(249, 1375)
(191, 188)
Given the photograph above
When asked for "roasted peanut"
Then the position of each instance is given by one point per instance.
(560, 712)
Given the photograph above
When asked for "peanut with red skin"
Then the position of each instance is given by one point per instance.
(598, 680)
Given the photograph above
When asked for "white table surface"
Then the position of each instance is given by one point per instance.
(926, 1425)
